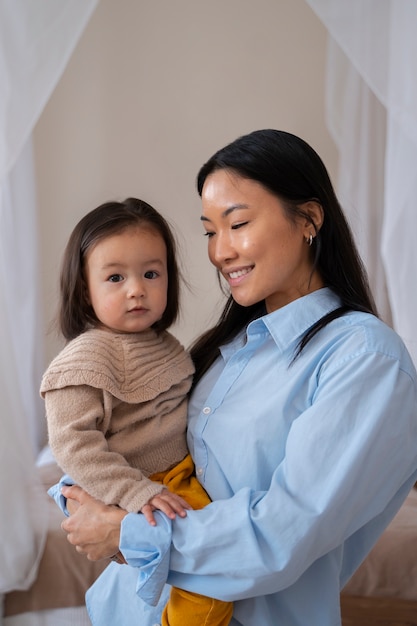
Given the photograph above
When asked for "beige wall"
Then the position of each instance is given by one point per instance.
(152, 90)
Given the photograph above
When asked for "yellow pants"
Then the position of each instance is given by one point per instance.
(185, 608)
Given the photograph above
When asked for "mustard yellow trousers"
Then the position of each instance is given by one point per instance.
(185, 608)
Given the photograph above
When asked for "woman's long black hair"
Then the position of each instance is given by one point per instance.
(290, 169)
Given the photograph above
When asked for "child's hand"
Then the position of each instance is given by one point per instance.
(167, 502)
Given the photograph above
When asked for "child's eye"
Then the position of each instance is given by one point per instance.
(115, 278)
(151, 274)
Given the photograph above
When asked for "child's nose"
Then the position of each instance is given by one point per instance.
(136, 288)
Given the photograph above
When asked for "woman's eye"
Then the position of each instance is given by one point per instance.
(208, 234)
(151, 274)
(236, 226)
(115, 278)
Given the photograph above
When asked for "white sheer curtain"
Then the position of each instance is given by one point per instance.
(36, 40)
(372, 114)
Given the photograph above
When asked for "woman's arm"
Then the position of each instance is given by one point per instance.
(350, 459)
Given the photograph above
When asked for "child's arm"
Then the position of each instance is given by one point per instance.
(78, 421)
(167, 502)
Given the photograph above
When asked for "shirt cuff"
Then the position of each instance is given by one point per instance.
(147, 548)
(55, 493)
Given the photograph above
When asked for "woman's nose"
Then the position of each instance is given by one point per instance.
(222, 249)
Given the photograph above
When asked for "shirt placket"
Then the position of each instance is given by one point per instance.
(234, 366)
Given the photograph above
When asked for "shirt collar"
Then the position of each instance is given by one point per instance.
(288, 324)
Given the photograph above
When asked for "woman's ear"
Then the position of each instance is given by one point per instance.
(315, 211)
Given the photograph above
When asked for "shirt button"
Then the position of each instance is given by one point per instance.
(199, 471)
(206, 410)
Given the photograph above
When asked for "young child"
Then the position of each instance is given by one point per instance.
(116, 395)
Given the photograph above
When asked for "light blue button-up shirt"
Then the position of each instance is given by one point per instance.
(306, 461)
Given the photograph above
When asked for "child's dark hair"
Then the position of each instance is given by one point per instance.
(76, 314)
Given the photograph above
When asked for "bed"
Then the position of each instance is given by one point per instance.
(56, 598)
(383, 591)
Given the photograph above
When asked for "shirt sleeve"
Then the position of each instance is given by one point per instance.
(350, 459)
(55, 493)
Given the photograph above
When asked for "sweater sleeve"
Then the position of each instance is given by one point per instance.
(78, 419)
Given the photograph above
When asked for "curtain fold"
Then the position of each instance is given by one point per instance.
(36, 41)
(372, 115)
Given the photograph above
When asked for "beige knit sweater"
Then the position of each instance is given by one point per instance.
(116, 410)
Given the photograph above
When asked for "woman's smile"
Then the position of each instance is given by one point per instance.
(233, 276)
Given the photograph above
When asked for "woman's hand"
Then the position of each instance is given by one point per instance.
(93, 528)
(167, 502)
(72, 506)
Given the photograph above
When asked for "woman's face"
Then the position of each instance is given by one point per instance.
(257, 249)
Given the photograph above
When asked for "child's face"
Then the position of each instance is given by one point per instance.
(127, 279)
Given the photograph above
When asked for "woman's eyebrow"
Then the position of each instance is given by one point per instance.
(227, 212)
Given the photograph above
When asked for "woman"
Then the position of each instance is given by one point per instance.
(302, 420)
